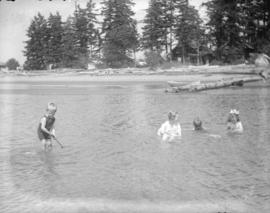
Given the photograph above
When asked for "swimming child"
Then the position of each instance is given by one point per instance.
(231, 120)
(197, 124)
(46, 129)
(170, 129)
(238, 126)
(233, 123)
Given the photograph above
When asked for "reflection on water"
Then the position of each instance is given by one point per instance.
(113, 157)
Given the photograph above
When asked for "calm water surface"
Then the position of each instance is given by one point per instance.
(114, 162)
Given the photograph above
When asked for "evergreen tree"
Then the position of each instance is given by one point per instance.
(86, 38)
(264, 42)
(172, 23)
(160, 25)
(93, 33)
(37, 45)
(169, 14)
(81, 37)
(69, 59)
(55, 41)
(120, 33)
(154, 31)
(226, 29)
(236, 25)
(216, 22)
(255, 24)
(188, 30)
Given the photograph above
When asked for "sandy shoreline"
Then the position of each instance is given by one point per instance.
(109, 78)
(198, 73)
(126, 78)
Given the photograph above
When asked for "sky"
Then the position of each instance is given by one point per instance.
(16, 16)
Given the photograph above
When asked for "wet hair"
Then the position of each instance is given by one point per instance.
(51, 107)
(197, 123)
(237, 117)
(172, 115)
(232, 118)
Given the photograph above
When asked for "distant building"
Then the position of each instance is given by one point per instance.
(191, 55)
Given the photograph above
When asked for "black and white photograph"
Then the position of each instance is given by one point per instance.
(134, 106)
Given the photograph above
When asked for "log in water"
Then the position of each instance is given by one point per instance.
(198, 86)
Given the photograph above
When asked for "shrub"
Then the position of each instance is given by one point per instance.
(153, 59)
(12, 64)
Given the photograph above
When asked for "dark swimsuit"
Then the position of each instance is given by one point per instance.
(49, 124)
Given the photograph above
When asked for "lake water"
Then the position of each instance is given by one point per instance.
(112, 159)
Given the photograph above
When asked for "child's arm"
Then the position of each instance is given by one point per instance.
(229, 125)
(179, 130)
(161, 130)
(53, 131)
(238, 127)
(43, 124)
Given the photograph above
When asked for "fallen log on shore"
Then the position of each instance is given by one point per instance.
(176, 87)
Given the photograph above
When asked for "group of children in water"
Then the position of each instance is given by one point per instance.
(169, 131)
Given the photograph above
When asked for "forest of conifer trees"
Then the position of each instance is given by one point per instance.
(171, 28)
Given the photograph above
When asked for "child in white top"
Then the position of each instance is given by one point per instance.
(238, 125)
(234, 124)
(171, 128)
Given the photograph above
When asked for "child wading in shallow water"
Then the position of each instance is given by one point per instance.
(197, 124)
(171, 128)
(233, 123)
(46, 129)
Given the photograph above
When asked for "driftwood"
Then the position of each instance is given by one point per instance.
(198, 86)
(178, 83)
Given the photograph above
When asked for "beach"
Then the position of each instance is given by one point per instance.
(183, 74)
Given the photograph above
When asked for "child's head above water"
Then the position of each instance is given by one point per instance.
(173, 116)
(234, 116)
(197, 123)
(51, 109)
(237, 115)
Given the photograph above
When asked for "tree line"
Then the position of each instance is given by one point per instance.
(170, 27)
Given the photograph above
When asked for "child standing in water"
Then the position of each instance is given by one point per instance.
(233, 123)
(171, 128)
(231, 120)
(46, 129)
(197, 124)
(238, 125)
